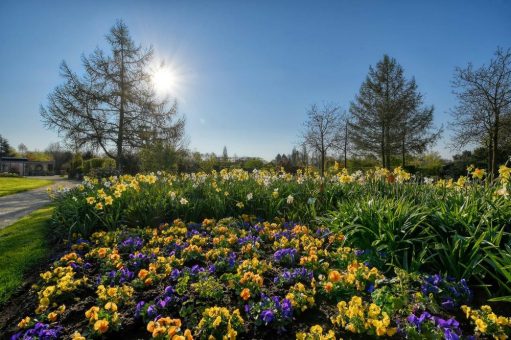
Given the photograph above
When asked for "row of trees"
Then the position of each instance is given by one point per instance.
(113, 108)
(6, 150)
(388, 116)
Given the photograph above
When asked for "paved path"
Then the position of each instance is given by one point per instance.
(13, 207)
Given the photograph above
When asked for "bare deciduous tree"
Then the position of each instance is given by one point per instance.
(113, 106)
(324, 131)
(22, 149)
(482, 115)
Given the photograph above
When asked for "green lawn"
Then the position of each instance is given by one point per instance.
(12, 185)
(23, 246)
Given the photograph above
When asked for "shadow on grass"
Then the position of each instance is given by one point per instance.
(23, 246)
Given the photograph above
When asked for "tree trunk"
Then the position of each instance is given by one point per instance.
(493, 168)
(403, 153)
(489, 152)
(387, 148)
(383, 146)
(120, 135)
(346, 146)
(322, 165)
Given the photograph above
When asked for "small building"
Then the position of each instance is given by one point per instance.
(25, 167)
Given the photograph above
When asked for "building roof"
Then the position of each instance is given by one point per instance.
(14, 159)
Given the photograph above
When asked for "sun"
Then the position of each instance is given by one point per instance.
(165, 80)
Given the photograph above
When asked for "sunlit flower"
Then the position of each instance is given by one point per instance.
(481, 325)
(108, 200)
(24, 322)
(502, 192)
(52, 316)
(101, 326)
(478, 173)
(217, 322)
(77, 336)
(290, 199)
(504, 173)
(334, 276)
(111, 306)
(245, 294)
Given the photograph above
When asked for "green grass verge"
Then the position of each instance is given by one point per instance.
(23, 245)
(9, 185)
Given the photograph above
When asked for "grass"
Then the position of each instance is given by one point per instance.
(10, 185)
(23, 245)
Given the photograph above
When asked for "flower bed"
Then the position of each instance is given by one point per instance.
(242, 279)
(460, 228)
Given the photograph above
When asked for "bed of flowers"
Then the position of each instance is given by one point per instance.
(244, 279)
(372, 254)
(147, 199)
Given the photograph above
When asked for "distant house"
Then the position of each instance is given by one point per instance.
(25, 167)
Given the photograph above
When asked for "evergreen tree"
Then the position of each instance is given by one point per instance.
(225, 156)
(278, 159)
(305, 155)
(416, 130)
(5, 147)
(295, 157)
(388, 117)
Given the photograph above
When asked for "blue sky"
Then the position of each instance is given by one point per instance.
(247, 70)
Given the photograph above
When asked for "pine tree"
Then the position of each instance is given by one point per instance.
(5, 147)
(225, 155)
(388, 117)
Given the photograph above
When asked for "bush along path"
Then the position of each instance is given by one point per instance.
(242, 279)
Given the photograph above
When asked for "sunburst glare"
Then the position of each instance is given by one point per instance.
(166, 80)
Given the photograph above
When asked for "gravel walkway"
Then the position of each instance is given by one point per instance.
(13, 207)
